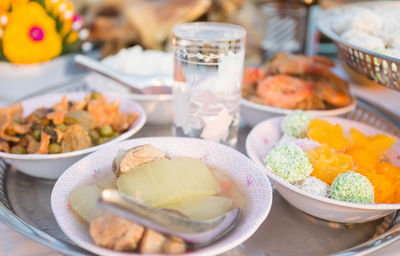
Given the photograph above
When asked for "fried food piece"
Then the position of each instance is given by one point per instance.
(44, 143)
(60, 135)
(82, 104)
(155, 242)
(123, 121)
(135, 157)
(152, 242)
(115, 232)
(62, 105)
(174, 245)
(8, 115)
(57, 116)
(102, 111)
(75, 138)
(120, 234)
(4, 146)
(21, 128)
(33, 145)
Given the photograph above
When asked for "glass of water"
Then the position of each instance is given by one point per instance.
(284, 25)
(208, 67)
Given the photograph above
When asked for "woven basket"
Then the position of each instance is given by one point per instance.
(379, 68)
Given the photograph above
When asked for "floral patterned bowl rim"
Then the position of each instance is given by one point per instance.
(249, 177)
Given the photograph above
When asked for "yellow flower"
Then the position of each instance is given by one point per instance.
(30, 35)
(18, 3)
(5, 5)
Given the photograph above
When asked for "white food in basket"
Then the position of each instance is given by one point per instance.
(376, 29)
(363, 39)
(367, 21)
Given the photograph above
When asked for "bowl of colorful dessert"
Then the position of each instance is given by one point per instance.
(200, 180)
(42, 136)
(332, 168)
(293, 82)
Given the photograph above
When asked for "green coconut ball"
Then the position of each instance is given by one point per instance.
(352, 187)
(289, 162)
(296, 124)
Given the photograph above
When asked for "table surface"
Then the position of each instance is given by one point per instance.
(14, 244)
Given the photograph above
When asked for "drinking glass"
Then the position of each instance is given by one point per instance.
(208, 67)
(284, 27)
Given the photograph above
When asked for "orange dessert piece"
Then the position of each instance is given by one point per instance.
(368, 151)
(328, 164)
(324, 132)
(386, 181)
(365, 157)
(379, 141)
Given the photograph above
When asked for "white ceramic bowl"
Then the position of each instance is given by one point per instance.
(262, 139)
(254, 113)
(51, 166)
(158, 107)
(248, 176)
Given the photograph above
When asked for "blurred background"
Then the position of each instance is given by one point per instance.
(38, 38)
(116, 24)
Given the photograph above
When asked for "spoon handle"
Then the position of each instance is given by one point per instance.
(199, 233)
(96, 66)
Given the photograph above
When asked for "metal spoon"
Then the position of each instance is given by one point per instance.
(198, 233)
(151, 84)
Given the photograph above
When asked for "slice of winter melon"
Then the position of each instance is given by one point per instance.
(168, 181)
(83, 200)
(202, 208)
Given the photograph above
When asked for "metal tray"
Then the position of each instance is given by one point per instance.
(25, 207)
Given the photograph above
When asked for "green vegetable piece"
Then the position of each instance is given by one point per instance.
(62, 127)
(102, 140)
(54, 148)
(18, 149)
(115, 135)
(95, 96)
(94, 135)
(36, 134)
(80, 117)
(106, 131)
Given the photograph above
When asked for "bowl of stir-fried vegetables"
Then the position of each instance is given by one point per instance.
(44, 135)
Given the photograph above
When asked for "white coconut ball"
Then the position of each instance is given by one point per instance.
(367, 21)
(314, 186)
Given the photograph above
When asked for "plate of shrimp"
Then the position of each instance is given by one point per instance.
(294, 82)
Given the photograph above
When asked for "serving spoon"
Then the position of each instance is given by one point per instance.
(197, 233)
(150, 84)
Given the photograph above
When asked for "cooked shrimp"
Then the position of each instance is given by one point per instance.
(332, 96)
(284, 91)
(290, 64)
(252, 75)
